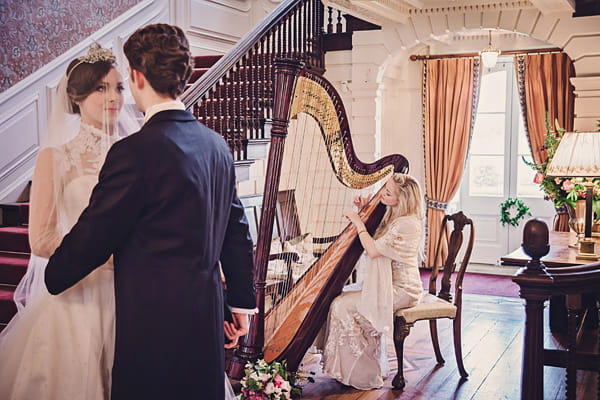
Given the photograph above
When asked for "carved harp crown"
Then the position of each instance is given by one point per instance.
(306, 190)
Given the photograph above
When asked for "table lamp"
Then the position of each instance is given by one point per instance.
(578, 156)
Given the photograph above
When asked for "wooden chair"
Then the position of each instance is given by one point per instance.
(433, 306)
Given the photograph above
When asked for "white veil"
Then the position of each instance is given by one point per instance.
(70, 151)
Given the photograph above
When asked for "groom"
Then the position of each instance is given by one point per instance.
(166, 208)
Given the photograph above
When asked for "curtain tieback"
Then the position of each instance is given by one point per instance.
(436, 204)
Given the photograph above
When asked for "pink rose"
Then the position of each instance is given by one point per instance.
(581, 193)
(538, 178)
(278, 381)
(568, 185)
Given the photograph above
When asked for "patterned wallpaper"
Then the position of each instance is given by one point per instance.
(34, 32)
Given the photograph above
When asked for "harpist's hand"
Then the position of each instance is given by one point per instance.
(360, 201)
(355, 219)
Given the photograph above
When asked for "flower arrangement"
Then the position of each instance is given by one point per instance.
(562, 191)
(269, 381)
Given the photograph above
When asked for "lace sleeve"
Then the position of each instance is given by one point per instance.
(44, 236)
(398, 243)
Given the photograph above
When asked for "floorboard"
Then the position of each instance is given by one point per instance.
(492, 350)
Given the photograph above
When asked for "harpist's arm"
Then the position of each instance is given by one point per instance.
(44, 237)
(365, 238)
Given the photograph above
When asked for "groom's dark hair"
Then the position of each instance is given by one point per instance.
(162, 53)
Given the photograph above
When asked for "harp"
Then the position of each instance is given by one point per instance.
(311, 177)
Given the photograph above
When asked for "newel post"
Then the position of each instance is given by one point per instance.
(534, 282)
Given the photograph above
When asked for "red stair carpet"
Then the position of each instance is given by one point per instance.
(14, 256)
(475, 283)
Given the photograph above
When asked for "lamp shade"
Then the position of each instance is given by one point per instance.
(577, 155)
(489, 57)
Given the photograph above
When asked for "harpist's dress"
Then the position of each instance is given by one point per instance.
(360, 320)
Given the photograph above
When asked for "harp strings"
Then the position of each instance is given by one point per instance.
(313, 200)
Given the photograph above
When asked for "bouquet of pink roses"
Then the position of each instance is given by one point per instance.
(562, 191)
(268, 381)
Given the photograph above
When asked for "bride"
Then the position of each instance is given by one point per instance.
(62, 347)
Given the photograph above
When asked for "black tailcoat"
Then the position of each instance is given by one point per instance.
(166, 208)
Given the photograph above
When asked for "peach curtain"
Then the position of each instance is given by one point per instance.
(545, 87)
(449, 100)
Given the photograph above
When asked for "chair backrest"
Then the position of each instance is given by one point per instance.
(454, 244)
(286, 216)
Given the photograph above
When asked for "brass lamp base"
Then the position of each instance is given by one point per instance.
(586, 250)
(576, 244)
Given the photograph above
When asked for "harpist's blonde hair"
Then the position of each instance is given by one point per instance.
(410, 201)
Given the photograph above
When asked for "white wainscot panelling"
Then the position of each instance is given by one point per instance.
(19, 137)
(240, 5)
(219, 20)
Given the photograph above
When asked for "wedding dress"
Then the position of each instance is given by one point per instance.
(61, 347)
(360, 321)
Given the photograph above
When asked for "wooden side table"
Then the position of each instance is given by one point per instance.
(560, 255)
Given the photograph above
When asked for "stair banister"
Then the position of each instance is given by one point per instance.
(250, 41)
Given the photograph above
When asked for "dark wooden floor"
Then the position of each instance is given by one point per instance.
(492, 348)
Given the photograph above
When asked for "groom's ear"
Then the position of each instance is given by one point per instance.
(137, 78)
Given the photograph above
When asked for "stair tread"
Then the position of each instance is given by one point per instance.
(15, 229)
(206, 61)
(6, 293)
(14, 260)
(7, 305)
(14, 239)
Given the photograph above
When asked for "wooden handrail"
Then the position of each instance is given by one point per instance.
(235, 96)
(227, 62)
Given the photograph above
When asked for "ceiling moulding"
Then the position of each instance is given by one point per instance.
(379, 12)
(464, 8)
(554, 6)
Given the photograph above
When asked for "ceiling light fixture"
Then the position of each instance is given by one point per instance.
(489, 55)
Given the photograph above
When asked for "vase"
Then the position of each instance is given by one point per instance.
(561, 219)
(577, 220)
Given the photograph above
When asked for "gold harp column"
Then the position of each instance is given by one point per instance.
(449, 99)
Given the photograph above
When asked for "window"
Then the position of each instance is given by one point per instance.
(499, 142)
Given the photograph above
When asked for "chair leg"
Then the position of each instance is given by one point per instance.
(458, 346)
(435, 341)
(401, 331)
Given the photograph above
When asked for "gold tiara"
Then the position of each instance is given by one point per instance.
(95, 54)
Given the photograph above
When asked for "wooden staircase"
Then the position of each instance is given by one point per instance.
(14, 256)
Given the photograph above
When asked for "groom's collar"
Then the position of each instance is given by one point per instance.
(167, 105)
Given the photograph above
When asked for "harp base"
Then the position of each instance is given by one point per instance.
(236, 364)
